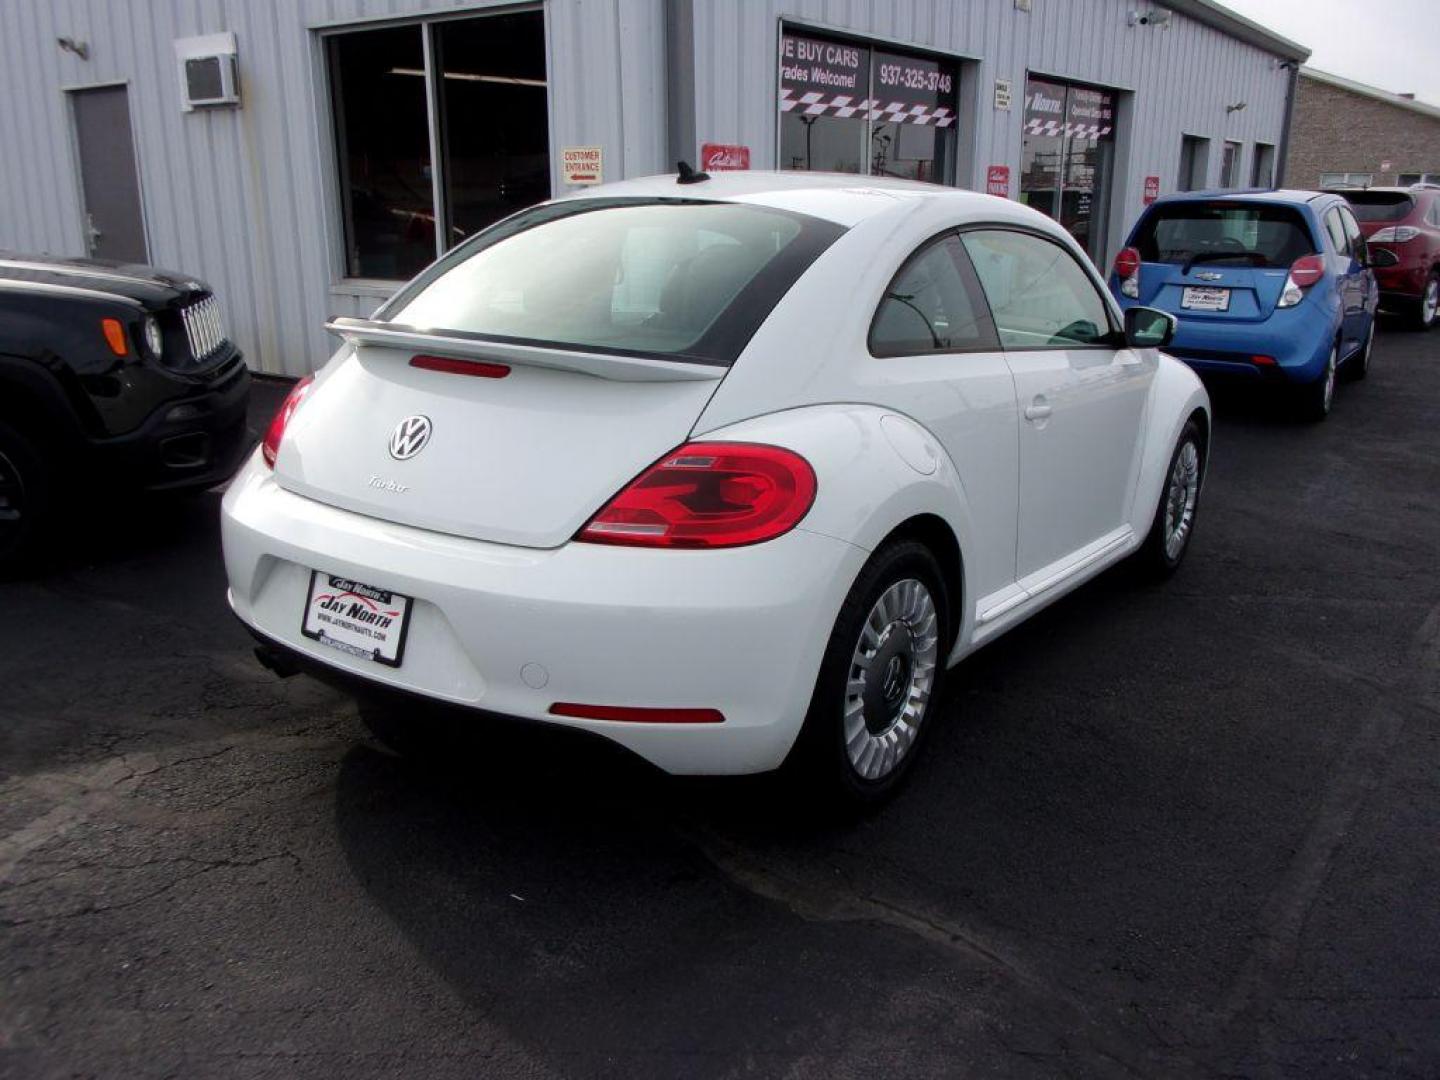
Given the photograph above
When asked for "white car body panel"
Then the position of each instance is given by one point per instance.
(1036, 508)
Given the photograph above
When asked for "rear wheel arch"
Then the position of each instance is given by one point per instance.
(936, 534)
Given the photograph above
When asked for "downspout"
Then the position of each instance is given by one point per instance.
(679, 81)
(1284, 152)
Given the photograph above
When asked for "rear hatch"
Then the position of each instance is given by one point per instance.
(1376, 209)
(601, 327)
(1219, 260)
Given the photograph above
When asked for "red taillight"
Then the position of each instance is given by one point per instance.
(1307, 270)
(1127, 263)
(451, 366)
(636, 715)
(276, 431)
(1263, 361)
(708, 495)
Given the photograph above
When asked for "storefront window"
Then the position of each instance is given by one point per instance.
(1068, 156)
(846, 107)
(485, 79)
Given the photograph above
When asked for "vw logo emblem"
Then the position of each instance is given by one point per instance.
(409, 437)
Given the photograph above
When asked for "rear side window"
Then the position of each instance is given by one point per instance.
(1251, 234)
(677, 279)
(1336, 231)
(932, 305)
(1039, 295)
(1380, 205)
(1355, 239)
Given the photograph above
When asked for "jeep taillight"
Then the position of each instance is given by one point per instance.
(270, 448)
(708, 495)
(1127, 269)
(1304, 272)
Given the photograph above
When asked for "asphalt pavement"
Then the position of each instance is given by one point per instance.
(1187, 830)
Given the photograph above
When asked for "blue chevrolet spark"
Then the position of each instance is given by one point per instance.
(1272, 286)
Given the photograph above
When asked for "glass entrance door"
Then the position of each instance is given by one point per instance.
(1068, 156)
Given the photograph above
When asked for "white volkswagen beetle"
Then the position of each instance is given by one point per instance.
(729, 470)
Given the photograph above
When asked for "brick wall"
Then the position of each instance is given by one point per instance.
(1335, 130)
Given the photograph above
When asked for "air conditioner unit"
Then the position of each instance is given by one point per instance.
(209, 72)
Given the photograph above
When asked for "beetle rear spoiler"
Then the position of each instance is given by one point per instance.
(614, 366)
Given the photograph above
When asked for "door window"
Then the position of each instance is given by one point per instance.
(1038, 293)
(1229, 164)
(932, 305)
(1194, 162)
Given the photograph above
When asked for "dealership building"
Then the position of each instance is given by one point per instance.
(304, 157)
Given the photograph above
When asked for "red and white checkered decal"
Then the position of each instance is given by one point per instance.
(814, 103)
(1035, 126)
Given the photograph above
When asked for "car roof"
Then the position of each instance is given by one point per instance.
(1279, 196)
(844, 198)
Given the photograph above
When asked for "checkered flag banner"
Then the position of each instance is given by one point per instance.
(815, 103)
(1036, 126)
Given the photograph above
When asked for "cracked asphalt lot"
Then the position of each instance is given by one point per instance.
(1161, 832)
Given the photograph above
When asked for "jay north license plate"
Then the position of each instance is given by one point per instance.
(357, 619)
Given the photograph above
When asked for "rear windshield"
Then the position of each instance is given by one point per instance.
(683, 280)
(1244, 234)
(1379, 205)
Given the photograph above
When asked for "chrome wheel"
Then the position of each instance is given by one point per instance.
(891, 677)
(12, 500)
(1430, 304)
(1180, 498)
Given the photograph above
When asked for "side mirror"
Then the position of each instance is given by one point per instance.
(1380, 258)
(1149, 328)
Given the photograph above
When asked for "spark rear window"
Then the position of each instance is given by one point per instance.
(1248, 234)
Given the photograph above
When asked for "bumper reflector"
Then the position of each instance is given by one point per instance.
(1263, 361)
(633, 715)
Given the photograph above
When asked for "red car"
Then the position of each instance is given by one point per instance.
(1406, 221)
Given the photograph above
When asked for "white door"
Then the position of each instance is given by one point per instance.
(1081, 398)
(936, 359)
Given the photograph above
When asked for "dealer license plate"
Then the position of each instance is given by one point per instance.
(357, 619)
(1205, 299)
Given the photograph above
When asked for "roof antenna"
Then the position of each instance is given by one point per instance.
(689, 175)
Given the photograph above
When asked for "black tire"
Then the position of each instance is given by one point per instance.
(1157, 557)
(820, 757)
(27, 500)
(1421, 320)
(1314, 400)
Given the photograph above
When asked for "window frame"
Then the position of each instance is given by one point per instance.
(973, 290)
(336, 199)
(1263, 154)
(1114, 338)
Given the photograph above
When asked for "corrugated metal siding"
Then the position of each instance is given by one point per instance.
(243, 197)
(246, 198)
(1181, 79)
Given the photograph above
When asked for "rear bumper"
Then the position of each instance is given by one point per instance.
(512, 631)
(1402, 284)
(1299, 349)
(195, 441)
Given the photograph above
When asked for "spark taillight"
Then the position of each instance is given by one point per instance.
(1127, 269)
(708, 495)
(1304, 272)
(270, 448)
